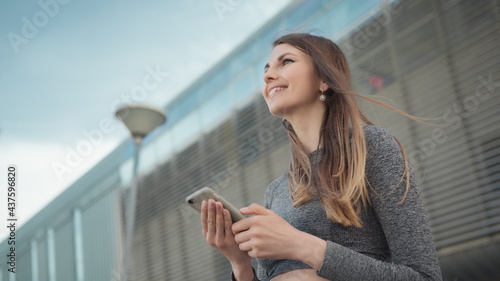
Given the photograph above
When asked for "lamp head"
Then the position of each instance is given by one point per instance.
(140, 119)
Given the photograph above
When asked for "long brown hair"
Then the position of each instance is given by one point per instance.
(339, 181)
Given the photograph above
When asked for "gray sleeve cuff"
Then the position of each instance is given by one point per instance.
(327, 269)
(254, 276)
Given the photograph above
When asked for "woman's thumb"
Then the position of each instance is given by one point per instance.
(255, 209)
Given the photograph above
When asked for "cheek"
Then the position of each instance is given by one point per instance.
(300, 79)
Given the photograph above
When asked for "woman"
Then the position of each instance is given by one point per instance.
(349, 207)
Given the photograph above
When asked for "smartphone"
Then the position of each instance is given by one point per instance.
(194, 200)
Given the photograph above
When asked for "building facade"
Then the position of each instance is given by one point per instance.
(436, 59)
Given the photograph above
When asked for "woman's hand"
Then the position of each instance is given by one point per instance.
(216, 228)
(266, 235)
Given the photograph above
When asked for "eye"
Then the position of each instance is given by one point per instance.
(287, 61)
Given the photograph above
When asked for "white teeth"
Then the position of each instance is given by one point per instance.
(274, 90)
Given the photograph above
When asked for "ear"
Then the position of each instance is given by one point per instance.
(323, 87)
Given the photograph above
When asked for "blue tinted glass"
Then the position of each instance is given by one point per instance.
(243, 86)
(270, 35)
(186, 103)
(236, 65)
(127, 171)
(259, 71)
(173, 115)
(186, 130)
(215, 109)
(214, 82)
(147, 158)
(165, 145)
(189, 101)
(302, 13)
(249, 54)
(317, 26)
(344, 14)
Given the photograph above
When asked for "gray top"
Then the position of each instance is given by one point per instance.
(395, 242)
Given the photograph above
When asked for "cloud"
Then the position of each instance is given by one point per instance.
(37, 183)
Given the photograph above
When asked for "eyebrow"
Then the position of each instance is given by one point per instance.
(278, 59)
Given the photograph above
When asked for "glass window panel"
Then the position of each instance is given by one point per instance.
(254, 80)
(254, 51)
(236, 65)
(165, 146)
(186, 103)
(189, 101)
(126, 171)
(205, 92)
(173, 115)
(215, 109)
(212, 84)
(299, 15)
(245, 56)
(317, 25)
(243, 86)
(186, 130)
(268, 37)
(258, 70)
(147, 158)
(342, 15)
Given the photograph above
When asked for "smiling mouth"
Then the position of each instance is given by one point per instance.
(274, 91)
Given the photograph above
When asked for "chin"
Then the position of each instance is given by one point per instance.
(277, 111)
(273, 108)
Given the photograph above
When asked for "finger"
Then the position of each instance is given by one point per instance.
(228, 223)
(242, 225)
(245, 247)
(256, 209)
(242, 237)
(203, 217)
(247, 211)
(219, 223)
(211, 220)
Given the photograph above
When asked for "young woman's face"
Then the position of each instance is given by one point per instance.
(291, 84)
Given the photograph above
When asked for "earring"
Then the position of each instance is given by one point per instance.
(322, 97)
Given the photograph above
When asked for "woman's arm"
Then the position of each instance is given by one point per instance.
(216, 228)
(413, 256)
(243, 272)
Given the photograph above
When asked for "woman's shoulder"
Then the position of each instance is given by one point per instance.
(385, 157)
(379, 139)
(278, 182)
(274, 188)
(374, 133)
(382, 148)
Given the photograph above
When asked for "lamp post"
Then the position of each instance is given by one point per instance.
(140, 120)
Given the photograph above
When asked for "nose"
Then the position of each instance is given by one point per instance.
(270, 75)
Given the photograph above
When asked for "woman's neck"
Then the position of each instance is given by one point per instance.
(308, 136)
(307, 127)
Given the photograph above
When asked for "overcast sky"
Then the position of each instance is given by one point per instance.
(66, 65)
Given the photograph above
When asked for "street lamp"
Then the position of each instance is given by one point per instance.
(140, 120)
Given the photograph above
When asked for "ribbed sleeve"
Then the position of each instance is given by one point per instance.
(412, 255)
